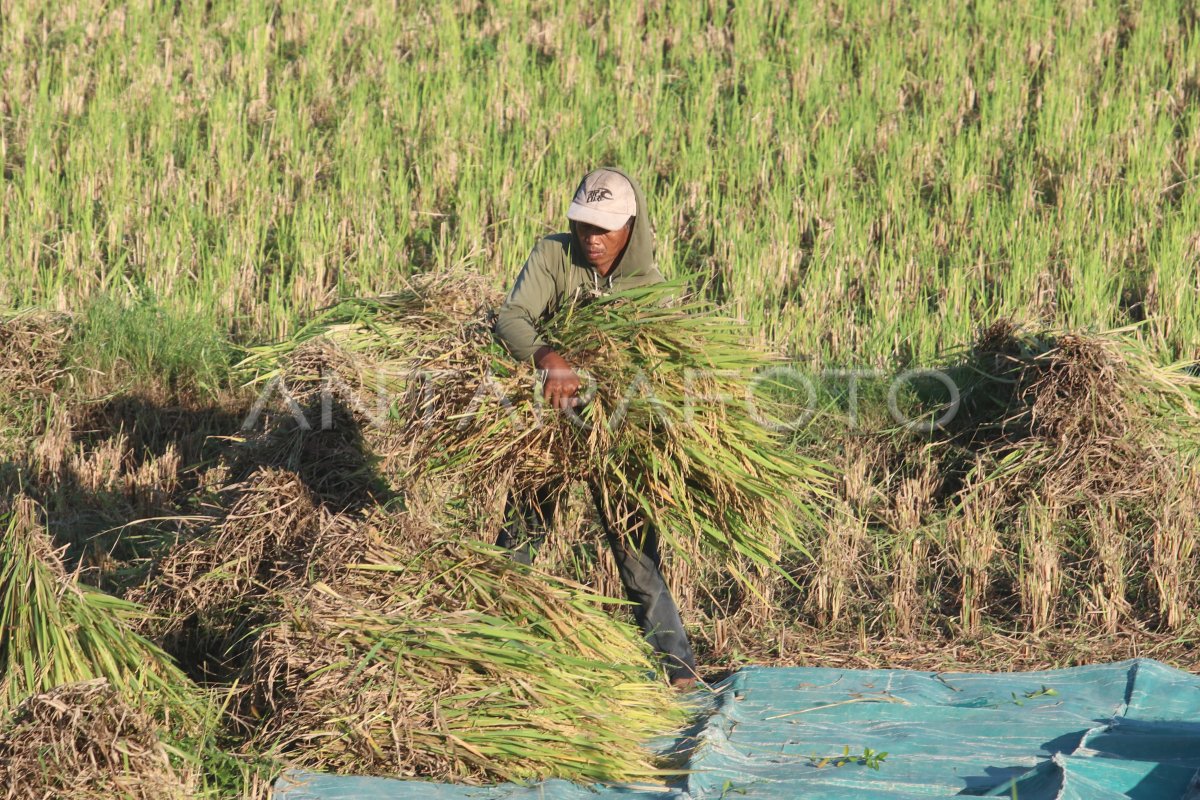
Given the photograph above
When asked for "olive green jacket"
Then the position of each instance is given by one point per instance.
(556, 273)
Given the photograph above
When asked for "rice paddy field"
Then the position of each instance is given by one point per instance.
(999, 202)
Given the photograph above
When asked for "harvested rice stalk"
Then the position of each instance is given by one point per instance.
(436, 319)
(656, 430)
(674, 426)
(273, 536)
(204, 592)
(55, 631)
(1073, 411)
(457, 665)
(269, 528)
(85, 741)
(449, 577)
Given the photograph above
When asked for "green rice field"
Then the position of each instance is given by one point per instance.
(863, 183)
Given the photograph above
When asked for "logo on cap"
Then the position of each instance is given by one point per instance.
(596, 195)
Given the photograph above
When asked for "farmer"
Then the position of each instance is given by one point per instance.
(610, 247)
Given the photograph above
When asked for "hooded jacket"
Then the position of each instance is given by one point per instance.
(556, 273)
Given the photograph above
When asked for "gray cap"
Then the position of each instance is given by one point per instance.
(605, 199)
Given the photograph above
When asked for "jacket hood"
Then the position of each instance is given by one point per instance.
(638, 258)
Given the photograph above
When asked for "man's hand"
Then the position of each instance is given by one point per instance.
(561, 386)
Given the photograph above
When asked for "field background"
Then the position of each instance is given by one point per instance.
(868, 185)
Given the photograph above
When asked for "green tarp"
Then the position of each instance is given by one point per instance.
(1125, 730)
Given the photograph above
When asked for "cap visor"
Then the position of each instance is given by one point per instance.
(592, 216)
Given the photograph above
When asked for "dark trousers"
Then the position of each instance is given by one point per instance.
(634, 544)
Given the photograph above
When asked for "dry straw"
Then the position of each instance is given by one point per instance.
(1079, 444)
(84, 741)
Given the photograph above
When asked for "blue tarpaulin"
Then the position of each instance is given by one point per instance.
(1125, 730)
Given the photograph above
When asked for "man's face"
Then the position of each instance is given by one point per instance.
(602, 248)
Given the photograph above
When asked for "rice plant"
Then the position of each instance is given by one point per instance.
(861, 183)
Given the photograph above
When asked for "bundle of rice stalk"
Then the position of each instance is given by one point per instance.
(686, 422)
(85, 741)
(453, 576)
(680, 422)
(274, 535)
(439, 321)
(458, 665)
(1093, 414)
(204, 592)
(678, 419)
(54, 631)
(340, 379)
(270, 527)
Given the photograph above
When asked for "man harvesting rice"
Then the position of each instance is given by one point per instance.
(610, 247)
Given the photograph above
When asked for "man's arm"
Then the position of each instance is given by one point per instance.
(516, 328)
(527, 302)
